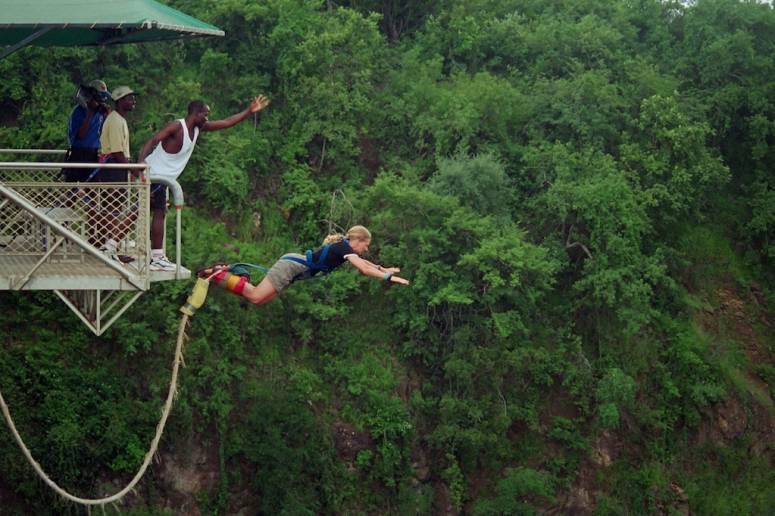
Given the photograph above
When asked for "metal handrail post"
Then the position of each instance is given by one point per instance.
(174, 186)
(177, 200)
(178, 245)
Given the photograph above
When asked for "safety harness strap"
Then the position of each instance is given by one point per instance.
(313, 267)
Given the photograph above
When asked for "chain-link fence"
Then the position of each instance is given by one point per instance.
(97, 212)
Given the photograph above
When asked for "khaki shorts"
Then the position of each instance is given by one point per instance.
(283, 271)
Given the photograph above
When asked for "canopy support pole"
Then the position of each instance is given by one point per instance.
(23, 43)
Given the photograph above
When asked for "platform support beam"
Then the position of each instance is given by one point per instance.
(89, 306)
(40, 262)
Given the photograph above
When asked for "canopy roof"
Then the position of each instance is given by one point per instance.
(94, 22)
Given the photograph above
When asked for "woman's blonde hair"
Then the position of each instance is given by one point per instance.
(355, 232)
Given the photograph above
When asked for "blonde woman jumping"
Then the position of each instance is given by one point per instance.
(335, 251)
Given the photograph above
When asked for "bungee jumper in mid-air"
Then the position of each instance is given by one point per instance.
(335, 251)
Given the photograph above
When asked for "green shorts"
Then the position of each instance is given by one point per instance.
(283, 271)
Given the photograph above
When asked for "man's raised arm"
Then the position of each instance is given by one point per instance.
(255, 106)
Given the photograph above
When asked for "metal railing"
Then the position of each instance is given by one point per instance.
(58, 152)
(92, 211)
(38, 206)
(176, 193)
(51, 232)
(28, 230)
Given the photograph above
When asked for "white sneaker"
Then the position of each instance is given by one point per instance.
(162, 264)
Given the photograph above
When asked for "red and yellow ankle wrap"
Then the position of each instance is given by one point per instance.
(230, 282)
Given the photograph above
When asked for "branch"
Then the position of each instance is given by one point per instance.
(569, 245)
(583, 247)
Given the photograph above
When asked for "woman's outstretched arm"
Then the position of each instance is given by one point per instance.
(380, 268)
(367, 268)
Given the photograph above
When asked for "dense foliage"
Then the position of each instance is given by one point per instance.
(579, 190)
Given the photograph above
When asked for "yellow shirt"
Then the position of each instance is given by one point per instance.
(115, 135)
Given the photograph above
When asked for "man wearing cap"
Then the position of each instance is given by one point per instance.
(85, 128)
(172, 147)
(114, 141)
(115, 149)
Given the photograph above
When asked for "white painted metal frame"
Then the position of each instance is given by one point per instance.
(97, 289)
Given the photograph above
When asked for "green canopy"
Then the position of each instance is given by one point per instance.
(93, 22)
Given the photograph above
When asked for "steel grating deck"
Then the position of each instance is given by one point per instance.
(86, 273)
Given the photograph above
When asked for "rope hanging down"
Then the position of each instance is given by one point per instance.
(194, 301)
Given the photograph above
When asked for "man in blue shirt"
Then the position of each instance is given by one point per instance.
(84, 129)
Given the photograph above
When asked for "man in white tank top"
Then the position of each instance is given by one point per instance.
(167, 154)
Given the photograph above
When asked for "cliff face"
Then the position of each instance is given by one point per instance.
(732, 432)
(190, 474)
(739, 325)
(734, 321)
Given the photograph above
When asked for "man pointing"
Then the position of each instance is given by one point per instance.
(167, 154)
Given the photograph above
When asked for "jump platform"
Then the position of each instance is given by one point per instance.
(89, 274)
(51, 232)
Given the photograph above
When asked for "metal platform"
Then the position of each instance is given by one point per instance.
(50, 232)
(87, 273)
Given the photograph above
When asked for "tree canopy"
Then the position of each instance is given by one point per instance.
(579, 190)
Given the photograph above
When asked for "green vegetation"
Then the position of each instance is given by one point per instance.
(580, 191)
